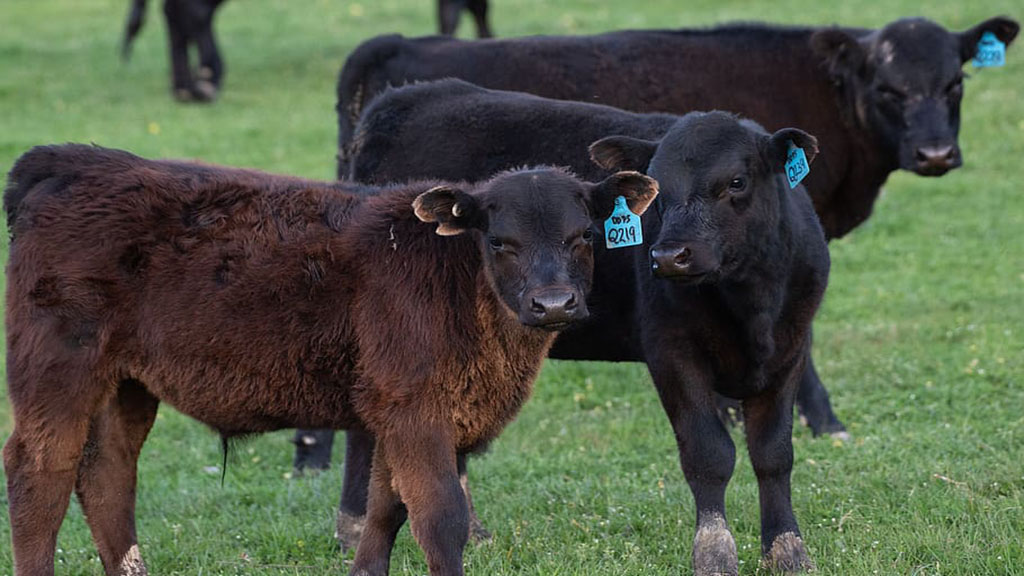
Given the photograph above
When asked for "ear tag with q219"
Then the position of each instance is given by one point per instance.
(796, 165)
(622, 228)
(991, 52)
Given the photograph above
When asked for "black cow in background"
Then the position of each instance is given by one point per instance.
(190, 23)
(878, 100)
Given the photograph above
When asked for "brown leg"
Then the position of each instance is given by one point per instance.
(385, 515)
(107, 474)
(477, 531)
(41, 463)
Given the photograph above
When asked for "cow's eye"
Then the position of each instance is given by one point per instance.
(890, 93)
(587, 236)
(495, 243)
(737, 185)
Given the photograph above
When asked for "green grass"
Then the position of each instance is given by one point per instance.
(920, 340)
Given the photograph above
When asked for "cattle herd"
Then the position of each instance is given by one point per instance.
(656, 196)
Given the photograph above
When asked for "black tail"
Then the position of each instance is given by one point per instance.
(136, 17)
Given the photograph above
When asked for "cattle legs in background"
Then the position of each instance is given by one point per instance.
(358, 462)
(189, 23)
(814, 406)
(449, 11)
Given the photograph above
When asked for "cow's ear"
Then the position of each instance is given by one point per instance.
(638, 190)
(1004, 28)
(623, 153)
(777, 147)
(843, 54)
(454, 210)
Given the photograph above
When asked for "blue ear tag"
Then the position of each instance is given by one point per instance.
(796, 165)
(622, 228)
(991, 52)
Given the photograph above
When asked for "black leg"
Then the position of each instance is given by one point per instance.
(479, 10)
(181, 74)
(359, 447)
(211, 67)
(707, 456)
(448, 12)
(768, 421)
(813, 402)
(313, 449)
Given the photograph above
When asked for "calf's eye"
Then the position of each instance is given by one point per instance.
(495, 242)
(588, 236)
(737, 184)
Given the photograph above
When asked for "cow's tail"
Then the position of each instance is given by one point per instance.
(355, 89)
(136, 17)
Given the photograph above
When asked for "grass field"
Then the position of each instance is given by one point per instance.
(920, 340)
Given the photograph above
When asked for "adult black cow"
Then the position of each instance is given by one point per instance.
(738, 258)
(879, 100)
(190, 23)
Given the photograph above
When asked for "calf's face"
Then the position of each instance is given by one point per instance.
(721, 182)
(534, 231)
(905, 84)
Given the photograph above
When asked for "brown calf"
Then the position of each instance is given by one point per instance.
(254, 302)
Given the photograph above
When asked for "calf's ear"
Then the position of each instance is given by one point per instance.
(777, 147)
(623, 153)
(638, 190)
(454, 210)
(1004, 28)
(843, 54)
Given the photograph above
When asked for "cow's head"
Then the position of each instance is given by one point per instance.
(535, 232)
(905, 83)
(721, 181)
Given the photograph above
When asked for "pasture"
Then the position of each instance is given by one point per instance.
(919, 340)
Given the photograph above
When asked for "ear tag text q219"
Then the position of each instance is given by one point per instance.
(622, 228)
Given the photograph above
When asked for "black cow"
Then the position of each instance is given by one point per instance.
(190, 23)
(880, 100)
(739, 267)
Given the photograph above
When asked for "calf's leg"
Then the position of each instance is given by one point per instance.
(448, 13)
(359, 455)
(769, 429)
(41, 457)
(707, 456)
(385, 515)
(181, 73)
(211, 66)
(479, 10)
(107, 476)
(815, 408)
(313, 450)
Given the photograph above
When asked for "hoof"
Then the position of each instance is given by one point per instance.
(204, 91)
(348, 530)
(714, 550)
(182, 94)
(131, 564)
(842, 436)
(788, 555)
(477, 532)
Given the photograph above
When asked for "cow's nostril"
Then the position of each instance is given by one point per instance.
(537, 306)
(571, 304)
(683, 256)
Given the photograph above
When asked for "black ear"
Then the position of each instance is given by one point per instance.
(777, 147)
(842, 53)
(638, 190)
(623, 153)
(454, 210)
(1004, 28)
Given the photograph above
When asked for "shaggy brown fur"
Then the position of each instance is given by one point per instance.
(254, 302)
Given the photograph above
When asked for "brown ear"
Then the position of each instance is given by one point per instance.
(1004, 28)
(454, 210)
(777, 147)
(623, 153)
(638, 190)
(842, 53)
